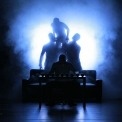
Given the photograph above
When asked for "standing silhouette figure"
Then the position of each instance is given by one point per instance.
(73, 52)
(51, 51)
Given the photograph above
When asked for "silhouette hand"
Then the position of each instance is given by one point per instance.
(40, 67)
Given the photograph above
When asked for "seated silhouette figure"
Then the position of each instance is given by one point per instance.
(69, 88)
(62, 66)
(73, 51)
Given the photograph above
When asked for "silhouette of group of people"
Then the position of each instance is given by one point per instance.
(59, 48)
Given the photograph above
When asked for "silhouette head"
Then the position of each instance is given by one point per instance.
(56, 20)
(51, 37)
(62, 58)
(76, 37)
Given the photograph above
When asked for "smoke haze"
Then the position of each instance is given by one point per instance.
(96, 20)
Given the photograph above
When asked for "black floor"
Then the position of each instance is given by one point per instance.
(109, 111)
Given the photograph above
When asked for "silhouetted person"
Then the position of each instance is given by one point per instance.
(51, 50)
(69, 88)
(73, 52)
(60, 30)
(62, 66)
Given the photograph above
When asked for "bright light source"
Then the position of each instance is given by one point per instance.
(39, 37)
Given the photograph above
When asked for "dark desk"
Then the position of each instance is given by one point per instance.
(90, 86)
(46, 78)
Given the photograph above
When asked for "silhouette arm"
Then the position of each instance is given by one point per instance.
(53, 29)
(67, 29)
(72, 69)
(41, 57)
(52, 69)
